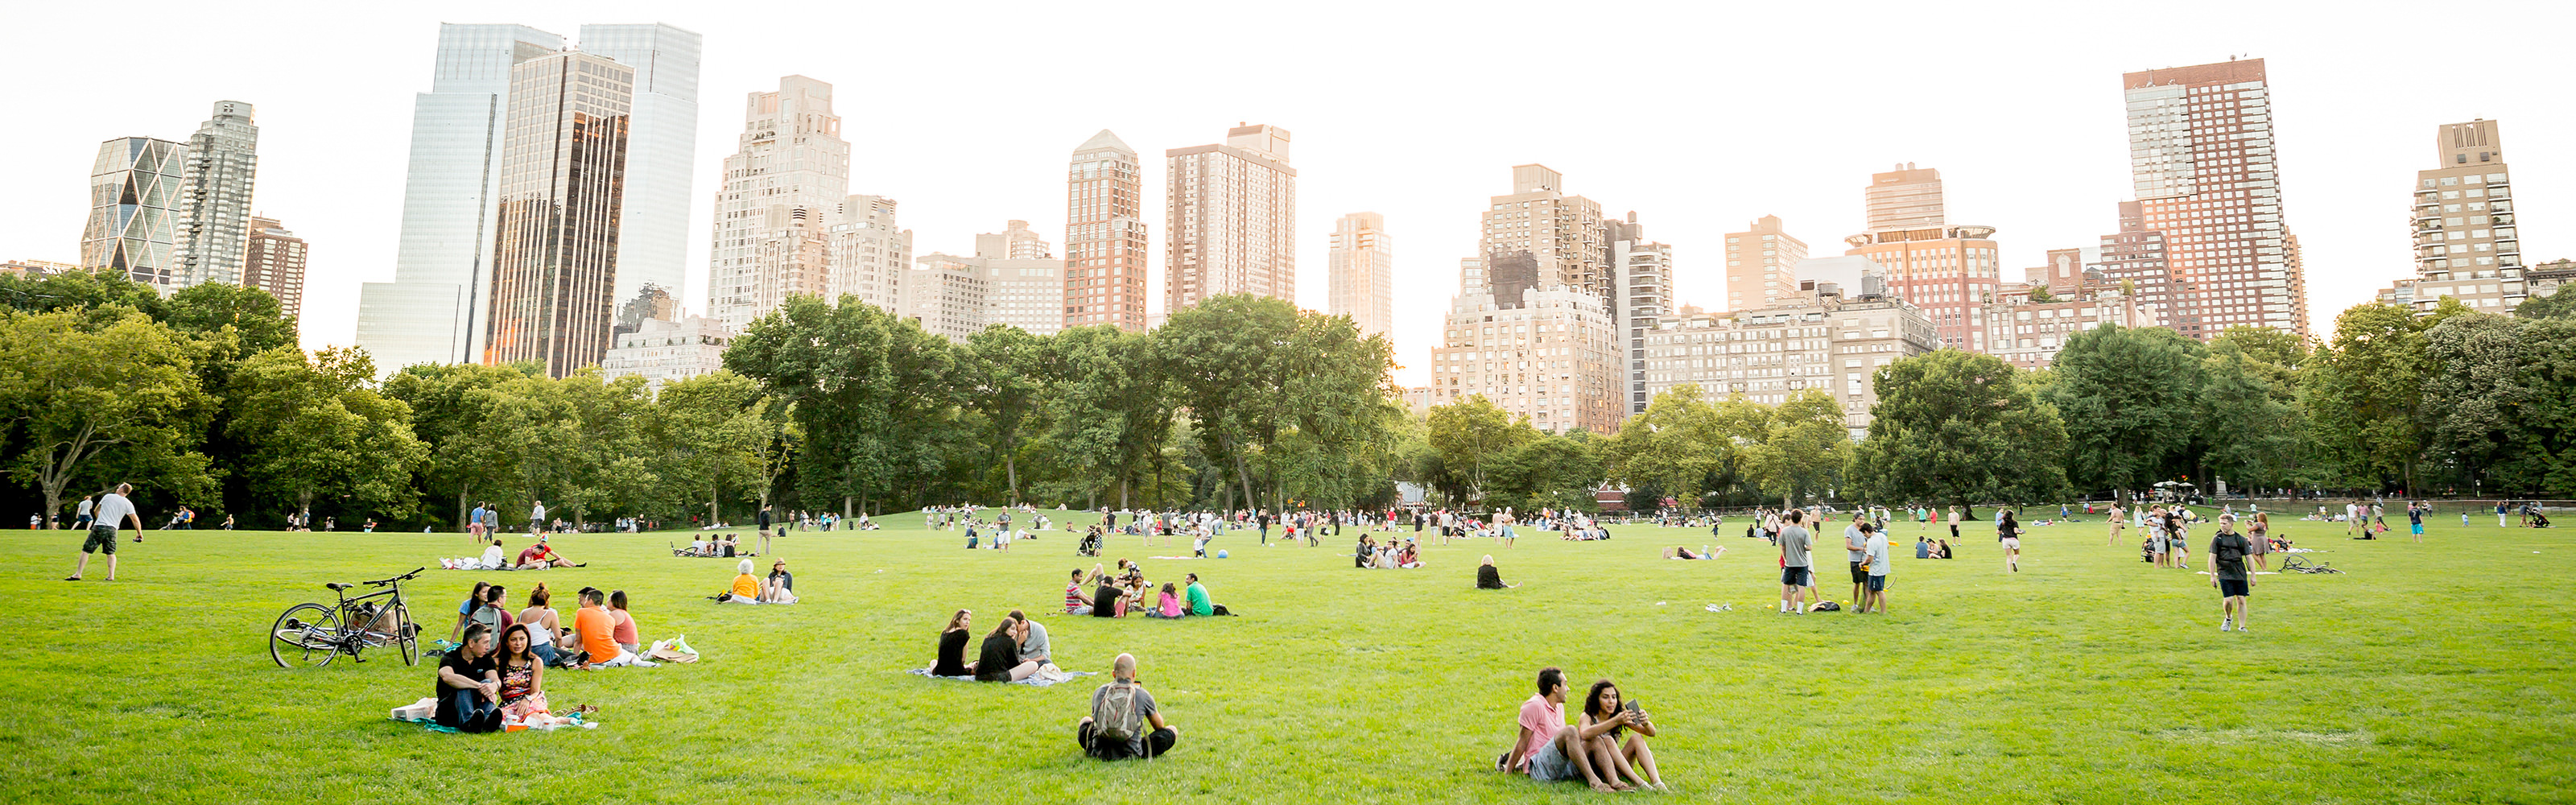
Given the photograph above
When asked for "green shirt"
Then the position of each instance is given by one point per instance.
(1199, 601)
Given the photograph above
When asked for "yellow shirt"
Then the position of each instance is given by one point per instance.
(744, 586)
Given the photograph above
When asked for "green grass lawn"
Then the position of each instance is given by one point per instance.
(2429, 673)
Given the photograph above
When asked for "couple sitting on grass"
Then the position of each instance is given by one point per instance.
(537, 556)
(1593, 750)
(482, 686)
(1015, 650)
(779, 588)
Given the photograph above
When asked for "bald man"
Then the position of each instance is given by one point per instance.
(1123, 705)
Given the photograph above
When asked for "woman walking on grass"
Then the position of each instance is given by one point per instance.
(2008, 531)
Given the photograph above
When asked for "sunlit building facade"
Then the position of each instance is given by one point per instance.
(661, 151)
(1104, 235)
(1948, 271)
(2467, 244)
(2207, 175)
(788, 176)
(554, 266)
(223, 165)
(1230, 224)
(1762, 264)
(273, 261)
(137, 197)
(1362, 273)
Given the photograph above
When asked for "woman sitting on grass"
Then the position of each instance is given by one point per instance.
(781, 586)
(465, 612)
(952, 646)
(746, 588)
(999, 661)
(1489, 578)
(523, 674)
(542, 622)
(1169, 605)
(621, 627)
(1617, 756)
(1409, 557)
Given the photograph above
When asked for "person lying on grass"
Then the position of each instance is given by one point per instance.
(1124, 722)
(999, 660)
(1684, 552)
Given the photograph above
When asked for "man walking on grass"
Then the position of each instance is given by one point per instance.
(2227, 573)
(113, 511)
(537, 517)
(1794, 542)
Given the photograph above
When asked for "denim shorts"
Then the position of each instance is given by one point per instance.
(1549, 764)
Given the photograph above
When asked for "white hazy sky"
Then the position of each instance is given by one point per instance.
(1699, 116)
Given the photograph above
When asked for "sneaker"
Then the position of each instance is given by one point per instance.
(2242, 630)
(2227, 624)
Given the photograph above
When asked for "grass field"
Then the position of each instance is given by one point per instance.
(2429, 673)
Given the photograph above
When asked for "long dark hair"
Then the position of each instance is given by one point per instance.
(503, 648)
(2010, 521)
(1592, 699)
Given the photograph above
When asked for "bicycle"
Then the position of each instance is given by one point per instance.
(2297, 565)
(316, 634)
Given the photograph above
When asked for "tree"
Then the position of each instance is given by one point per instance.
(2131, 403)
(449, 406)
(2553, 306)
(1108, 412)
(873, 394)
(2250, 428)
(1550, 471)
(2499, 404)
(1279, 395)
(1003, 368)
(1958, 427)
(77, 389)
(2363, 391)
(713, 432)
(1804, 449)
(317, 426)
(1673, 447)
(1471, 434)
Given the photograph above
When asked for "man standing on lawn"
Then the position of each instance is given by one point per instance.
(1793, 562)
(1855, 543)
(1876, 564)
(2227, 573)
(114, 511)
(537, 517)
(474, 523)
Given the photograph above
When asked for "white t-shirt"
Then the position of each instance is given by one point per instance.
(492, 555)
(1877, 554)
(113, 509)
(85, 504)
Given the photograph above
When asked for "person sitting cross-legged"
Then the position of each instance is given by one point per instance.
(1124, 723)
(781, 586)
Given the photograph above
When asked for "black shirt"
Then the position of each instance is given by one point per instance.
(1104, 601)
(952, 653)
(999, 655)
(1488, 578)
(470, 669)
(784, 579)
(2230, 548)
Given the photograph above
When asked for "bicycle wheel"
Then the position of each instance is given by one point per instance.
(305, 634)
(406, 633)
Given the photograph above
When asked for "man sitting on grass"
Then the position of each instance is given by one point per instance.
(1546, 748)
(469, 685)
(1198, 598)
(540, 556)
(1121, 711)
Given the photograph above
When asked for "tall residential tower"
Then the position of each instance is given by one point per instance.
(2202, 159)
(1946, 270)
(1231, 219)
(1104, 235)
(771, 232)
(223, 161)
(2467, 246)
(1762, 263)
(1363, 273)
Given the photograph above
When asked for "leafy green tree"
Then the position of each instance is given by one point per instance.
(2130, 398)
(2499, 406)
(1470, 435)
(1004, 369)
(449, 405)
(1675, 446)
(2553, 306)
(1109, 412)
(2363, 391)
(2249, 426)
(317, 426)
(1271, 390)
(1549, 471)
(90, 395)
(874, 395)
(1804, 449)
(713, 432)
(2277, 347)
(1956, 427)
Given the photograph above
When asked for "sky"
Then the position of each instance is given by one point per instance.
(1698, 116)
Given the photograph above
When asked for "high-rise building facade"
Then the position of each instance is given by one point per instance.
(2206, 173)
(1362, 273)
(790, 173)
(1023, 282)
(1947, 271)
(1762, 264)
(1641, 274)
(2467, 245)
(554, 263)
(1104, 235)
(661, 350)
(1231, 219)
(2029, 334)
(1906, 198)
(1822, 342)
(870, 255)
(136, 200)
(661, 151)
(947, 294)
(223, 164)
(1534, 325)
(273, 261)
(436, 308)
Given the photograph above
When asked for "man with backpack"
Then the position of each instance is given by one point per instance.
(2227, 553)
(1124, 722)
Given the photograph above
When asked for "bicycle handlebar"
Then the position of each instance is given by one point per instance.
(404, 577)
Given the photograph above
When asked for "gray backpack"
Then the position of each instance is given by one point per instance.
(1121, 720)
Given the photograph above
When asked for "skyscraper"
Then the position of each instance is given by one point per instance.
(1104, 235)
(791, 170)
(1762, 263)
(1949, 271)
(871, 256)
(274, 262)
(1642, 279)
(2203, 163)
(223, 161)
(661, 147)
(2467, 246)
(1024, 282)
(1363, 273)
(1232, 219)
(136, 199)
(563, 158)
(1533, 325)
(436, 308)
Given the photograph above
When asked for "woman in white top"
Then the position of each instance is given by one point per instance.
(542, 622)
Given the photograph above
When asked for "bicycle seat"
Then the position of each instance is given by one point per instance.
(338, 586)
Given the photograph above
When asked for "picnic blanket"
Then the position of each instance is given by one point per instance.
(1042, 679)
(421, 713)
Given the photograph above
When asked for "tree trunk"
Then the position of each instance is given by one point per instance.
(1011, 464)
(463, 491)
(845, 506)
(714, 494)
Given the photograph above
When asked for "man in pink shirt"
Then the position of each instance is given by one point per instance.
(1546, 746)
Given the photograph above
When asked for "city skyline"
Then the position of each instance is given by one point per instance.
(2350, 128)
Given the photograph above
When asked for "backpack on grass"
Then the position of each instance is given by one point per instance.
(1825, 606)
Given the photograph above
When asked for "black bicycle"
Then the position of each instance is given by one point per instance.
(314, 634)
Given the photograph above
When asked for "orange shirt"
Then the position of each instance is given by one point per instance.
(597, 633)
(744, 586)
